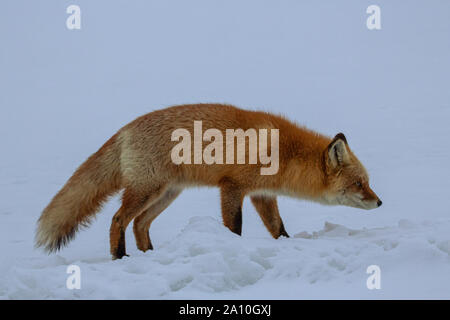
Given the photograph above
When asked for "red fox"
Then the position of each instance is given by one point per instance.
(139, 160)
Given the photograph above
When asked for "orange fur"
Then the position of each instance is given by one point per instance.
(137, 159)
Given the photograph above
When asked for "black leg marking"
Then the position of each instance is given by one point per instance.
(120, 252)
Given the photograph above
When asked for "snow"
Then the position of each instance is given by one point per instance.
(64, 93)
(205, 260)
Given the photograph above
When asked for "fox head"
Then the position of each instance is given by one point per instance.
(346, 178)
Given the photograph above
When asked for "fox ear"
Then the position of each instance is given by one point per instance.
(337, 151)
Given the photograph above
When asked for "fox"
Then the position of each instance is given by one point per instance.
(137, 161)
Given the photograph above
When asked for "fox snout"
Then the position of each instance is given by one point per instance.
(372, 204)
(370, 199)
(362, 197)
(357, 201)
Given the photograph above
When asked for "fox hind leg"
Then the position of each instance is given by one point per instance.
(133, 204)
(267, 209)
(141, 224)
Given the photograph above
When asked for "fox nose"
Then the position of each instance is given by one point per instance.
(379, 202)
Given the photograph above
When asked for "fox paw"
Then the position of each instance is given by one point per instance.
(115, 257)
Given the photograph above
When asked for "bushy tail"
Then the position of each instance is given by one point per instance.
(80, 198)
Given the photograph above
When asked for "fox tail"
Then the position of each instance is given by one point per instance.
(81, 197)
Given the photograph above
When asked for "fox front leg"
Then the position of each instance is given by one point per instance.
(231, 202)
(267, 209)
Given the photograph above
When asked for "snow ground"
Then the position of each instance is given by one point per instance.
(204, 260)
(64, 93)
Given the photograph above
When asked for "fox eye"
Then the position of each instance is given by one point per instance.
(358, 184)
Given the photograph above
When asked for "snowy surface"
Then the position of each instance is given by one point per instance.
(204, 260)
(63, 93)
